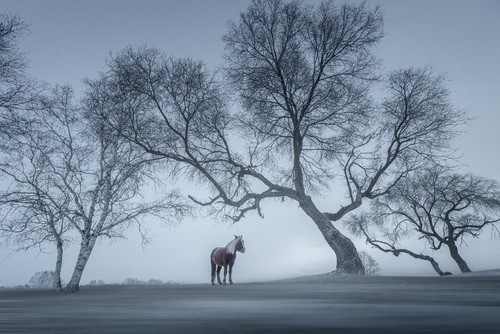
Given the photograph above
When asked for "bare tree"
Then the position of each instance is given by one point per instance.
(32, 209)
(388, 243)
(17, 89)
(303, 76)
(438, 206)
(72, 172)
(12, 64)
(29, 222)
(106, 186)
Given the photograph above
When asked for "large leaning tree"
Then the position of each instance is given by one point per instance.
(302, 76)
(436, 205)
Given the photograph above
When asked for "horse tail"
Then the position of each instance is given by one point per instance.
(212, 255)
(213, 266)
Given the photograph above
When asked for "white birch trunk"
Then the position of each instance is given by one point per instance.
(57, 272)
(86, 247)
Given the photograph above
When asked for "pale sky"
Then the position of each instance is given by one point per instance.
(70, 40)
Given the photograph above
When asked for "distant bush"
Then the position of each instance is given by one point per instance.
(25, 286)
(371, 265)
(98, 282)
(155, 282)
(135, 281)
(43, 279)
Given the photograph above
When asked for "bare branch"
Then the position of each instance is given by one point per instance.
(441, 207)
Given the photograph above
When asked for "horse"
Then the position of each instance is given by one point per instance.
(225, 257)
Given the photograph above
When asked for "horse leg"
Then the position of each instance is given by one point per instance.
(218, 274)
(213, 271)
(225, 273)
(231, 274)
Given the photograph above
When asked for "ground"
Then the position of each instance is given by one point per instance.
(319, 304)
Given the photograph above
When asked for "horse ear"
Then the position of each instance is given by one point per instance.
(235, 236)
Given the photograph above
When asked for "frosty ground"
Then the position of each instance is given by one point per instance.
(319, 304)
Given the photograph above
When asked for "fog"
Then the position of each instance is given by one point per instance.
(324, 304)
(282, 245)
(70, 40)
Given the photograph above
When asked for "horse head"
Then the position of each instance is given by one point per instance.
(240, 244)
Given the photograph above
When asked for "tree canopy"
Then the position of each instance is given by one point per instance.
(302, 76)
(434, 204)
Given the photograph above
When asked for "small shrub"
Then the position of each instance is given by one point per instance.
(99, 282)
(133, 281)
(43, 279)
(371, 265)
(155, 282)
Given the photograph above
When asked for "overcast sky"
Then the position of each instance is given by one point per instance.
(69, 40)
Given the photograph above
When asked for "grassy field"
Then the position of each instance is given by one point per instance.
(320, 304)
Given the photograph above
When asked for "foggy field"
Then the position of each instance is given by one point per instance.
(320, 304)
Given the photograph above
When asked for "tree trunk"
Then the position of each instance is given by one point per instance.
(86, 247)
(57, 272)
(464, 268)
(394, 251)
(348, 260)
(434, 264)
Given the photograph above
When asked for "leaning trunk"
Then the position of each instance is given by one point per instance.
(464, 268)
(433, 262)
(57, 272)
(436, 267)
(86, 247)
(348, 260)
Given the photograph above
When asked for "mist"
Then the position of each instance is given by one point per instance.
(70, 41)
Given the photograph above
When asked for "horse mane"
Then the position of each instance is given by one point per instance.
(231, 246)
